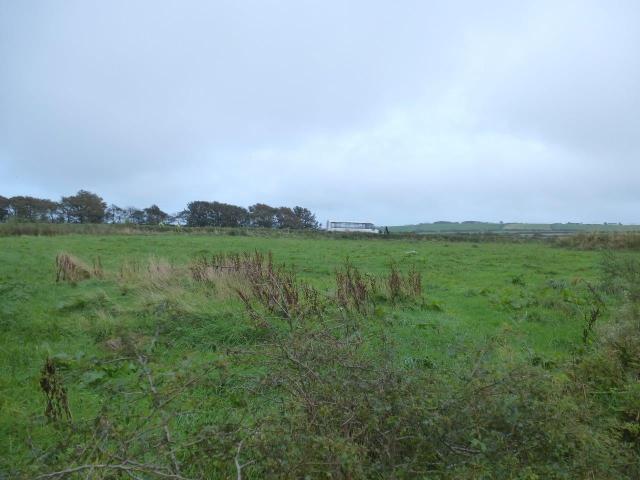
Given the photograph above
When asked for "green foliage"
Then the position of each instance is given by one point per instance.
(83, 207)
(28, 209)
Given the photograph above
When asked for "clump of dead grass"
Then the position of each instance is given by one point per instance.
(71, 269)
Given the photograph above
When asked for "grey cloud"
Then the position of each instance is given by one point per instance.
(394, 112)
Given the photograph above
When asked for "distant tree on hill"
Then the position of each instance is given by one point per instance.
(154, 216)
(88, 207)
(198, 214)
(134, 215)
(285, 218)
(215, 214)
(297, 218)
(83, 207)
(262, 215)
(4, 208)
(31, 209)
(306, 219)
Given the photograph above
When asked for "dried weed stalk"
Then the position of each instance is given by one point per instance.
(70, 269)
(55, 392)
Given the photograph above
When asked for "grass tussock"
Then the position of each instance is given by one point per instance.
(71, 269)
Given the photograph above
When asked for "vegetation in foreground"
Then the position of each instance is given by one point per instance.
(204, 357)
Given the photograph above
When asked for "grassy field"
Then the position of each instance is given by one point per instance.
(143, 343)
(513, 228)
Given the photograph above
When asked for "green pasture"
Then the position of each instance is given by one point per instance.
(530, 296)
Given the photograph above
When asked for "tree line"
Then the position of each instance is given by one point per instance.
(88, 207)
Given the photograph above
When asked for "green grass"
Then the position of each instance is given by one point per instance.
(527, 294)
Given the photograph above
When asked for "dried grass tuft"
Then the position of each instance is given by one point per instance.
(71, 269)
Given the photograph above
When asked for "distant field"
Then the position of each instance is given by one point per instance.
(537, 228)
(482, 307)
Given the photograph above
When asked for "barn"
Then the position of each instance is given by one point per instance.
(364, 227)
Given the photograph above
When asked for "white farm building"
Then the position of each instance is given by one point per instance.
(364, 227)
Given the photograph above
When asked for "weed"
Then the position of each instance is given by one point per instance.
(414, 282)
(97, 271)
(394, 283)
(52, 386)
(353, 289)
(70, 269)
(401, 287)
(595, 306)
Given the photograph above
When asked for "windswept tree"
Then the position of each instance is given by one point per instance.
(4, 209)
(262, 215)
(83, 207)
(215, 214)
(32, 209)
(297, 218)
(199, 214)
(154, 216)
(285, 218)
(134, 215)
(305, 219)
(232, 215)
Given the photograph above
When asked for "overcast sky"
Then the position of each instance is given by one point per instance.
(385, 111)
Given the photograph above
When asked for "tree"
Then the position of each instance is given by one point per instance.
(231, 215)
(305, 219)
(134, 215)
(215, 214)
(262, 215)
(154, 216)
(4, 208)
(285, 218)
(297, 218)
(198, 214)
(31, 209)
(83, 207)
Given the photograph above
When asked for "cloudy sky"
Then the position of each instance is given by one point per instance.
(386, 111)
